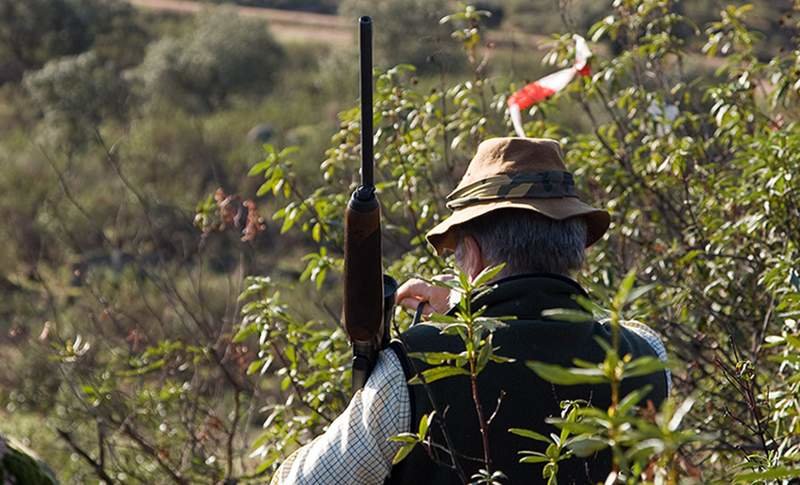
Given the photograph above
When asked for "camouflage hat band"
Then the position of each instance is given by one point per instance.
(536, 185)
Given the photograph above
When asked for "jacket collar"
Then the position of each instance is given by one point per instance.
(526, 295)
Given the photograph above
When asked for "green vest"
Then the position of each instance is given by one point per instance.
(528, 400)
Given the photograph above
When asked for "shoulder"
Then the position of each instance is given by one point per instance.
(654, 341)
(388, 369)
(649, 335)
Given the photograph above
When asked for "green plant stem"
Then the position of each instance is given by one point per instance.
(473, 377)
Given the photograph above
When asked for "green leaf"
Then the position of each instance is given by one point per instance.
(436, 373)
(254, 366)
(643, 366)
(633, 399)
(291, 354)
(407, 438)
(526, 433)
(566, 376)
(402, 453)
(440, 318)
(265, 187)
(567, 315)
(424, 424)
(638, 292)
(258, 168)
(436, 358)
(499, 359)
(244, 333)
(534, 459)
(285, 383)
(793, 341)
(487, 275)
(680, 413)
(288, 151)
(773, 474)
(489, 324)
(624, 289)
(586, 446)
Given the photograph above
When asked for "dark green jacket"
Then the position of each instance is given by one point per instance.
(21, 466)
(528, 400)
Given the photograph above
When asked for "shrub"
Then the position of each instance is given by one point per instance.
(223, 55)
(405, 31)
(76, 93)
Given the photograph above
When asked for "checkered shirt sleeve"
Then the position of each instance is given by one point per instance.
(654, 339)
(355, 449)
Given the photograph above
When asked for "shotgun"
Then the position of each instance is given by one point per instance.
(368, 294)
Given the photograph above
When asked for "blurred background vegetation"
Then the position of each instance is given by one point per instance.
(130, 224)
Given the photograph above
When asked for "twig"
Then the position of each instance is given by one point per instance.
(438, 418)
(99, 470)
(297, 390)
(154, 453)
(232, 433)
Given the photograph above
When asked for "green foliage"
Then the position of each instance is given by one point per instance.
(223, 55)
(113, 29)
(475, 332)
(142, 348)
(75, 93)
(35, 32)
(635, 440)
(31, 33)
(310, 362)
(321, 6)
(406, 31)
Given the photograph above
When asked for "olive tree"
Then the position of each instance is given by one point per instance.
(406, 31)
(37, 31)
(74, 93)
(222, 55)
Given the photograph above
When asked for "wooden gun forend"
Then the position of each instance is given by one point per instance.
(363, 272)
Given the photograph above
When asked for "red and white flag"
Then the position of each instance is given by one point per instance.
(548, 85)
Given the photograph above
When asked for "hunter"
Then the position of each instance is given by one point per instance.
(516, 205)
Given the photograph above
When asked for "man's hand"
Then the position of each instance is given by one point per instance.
(414, 291)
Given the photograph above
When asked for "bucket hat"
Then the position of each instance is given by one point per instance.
(516, 173)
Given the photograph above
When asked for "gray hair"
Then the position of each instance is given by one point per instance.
(527, 242)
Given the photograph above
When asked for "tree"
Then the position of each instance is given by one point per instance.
(37, 31)
(74, 93)
(223, 55)
(406, 31)
(31, 33)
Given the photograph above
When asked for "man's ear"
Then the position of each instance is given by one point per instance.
(473, 257)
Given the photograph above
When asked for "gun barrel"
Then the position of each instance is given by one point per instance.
(363, 272)
(367, 157)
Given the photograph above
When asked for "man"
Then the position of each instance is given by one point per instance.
(516, 205)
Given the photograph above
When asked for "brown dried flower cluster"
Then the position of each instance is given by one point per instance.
(238, 214)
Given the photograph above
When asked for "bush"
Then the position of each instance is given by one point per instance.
(37, 31)
(222, 56)
(31, 33)
(405, 31)
(76, 93)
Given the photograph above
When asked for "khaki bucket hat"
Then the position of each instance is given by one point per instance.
(516, 173)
